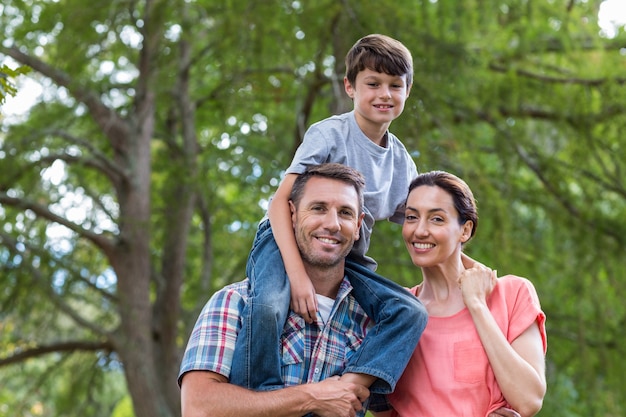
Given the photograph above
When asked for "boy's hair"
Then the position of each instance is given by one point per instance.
(379, 53)
(331, 171)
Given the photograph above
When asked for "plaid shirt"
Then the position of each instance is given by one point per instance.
(310, 352)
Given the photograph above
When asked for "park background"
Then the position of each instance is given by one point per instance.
(156, 131)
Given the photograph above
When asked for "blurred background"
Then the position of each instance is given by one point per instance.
(140, 141)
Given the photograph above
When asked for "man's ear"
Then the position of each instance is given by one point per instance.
(292, 209)
(357, 233)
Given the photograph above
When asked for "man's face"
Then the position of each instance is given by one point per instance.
(326, 222)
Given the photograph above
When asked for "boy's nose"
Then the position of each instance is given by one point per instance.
(385, 93)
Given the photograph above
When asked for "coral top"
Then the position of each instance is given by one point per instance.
(449, 373)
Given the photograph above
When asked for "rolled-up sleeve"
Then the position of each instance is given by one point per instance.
(212, 340)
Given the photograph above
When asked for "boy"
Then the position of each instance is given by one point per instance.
(379, 75)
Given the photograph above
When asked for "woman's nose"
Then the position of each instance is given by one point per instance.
(421, 228)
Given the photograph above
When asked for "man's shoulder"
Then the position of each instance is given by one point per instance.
(230, 294)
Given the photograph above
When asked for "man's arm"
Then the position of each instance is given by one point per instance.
(208, 394)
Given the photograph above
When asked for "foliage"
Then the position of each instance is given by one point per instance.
(7, 87)
(133, 189)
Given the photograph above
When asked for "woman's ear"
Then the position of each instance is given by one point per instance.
(467, 231)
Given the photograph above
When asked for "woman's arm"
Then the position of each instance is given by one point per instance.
(519, 367)
(303, 300)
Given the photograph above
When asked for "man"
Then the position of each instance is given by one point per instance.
(326, 206)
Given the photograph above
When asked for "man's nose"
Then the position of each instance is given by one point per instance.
(331, 220)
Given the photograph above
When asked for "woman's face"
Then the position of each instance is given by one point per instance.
(431, 229)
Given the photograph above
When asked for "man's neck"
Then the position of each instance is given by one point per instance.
(327, 280)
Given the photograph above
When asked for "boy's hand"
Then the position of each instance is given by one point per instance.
(303, 299)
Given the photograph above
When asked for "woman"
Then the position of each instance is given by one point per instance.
(483, 350)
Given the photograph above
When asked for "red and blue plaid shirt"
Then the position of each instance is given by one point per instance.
(310, 352)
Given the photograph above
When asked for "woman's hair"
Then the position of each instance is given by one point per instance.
(462, 195)
(379, 53)
(331, 171)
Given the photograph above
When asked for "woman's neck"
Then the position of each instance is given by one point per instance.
(439, 290)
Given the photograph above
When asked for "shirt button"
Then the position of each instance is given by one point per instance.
(317, 370)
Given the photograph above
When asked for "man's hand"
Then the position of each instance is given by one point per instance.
(504, 412)
(335, 398)
(303, 298)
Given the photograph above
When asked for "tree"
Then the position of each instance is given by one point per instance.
(133, 190)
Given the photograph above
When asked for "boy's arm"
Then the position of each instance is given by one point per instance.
(303, 299)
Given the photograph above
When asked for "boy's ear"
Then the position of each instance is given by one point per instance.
(348, 87)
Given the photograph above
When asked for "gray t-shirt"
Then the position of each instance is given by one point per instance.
(387, 171)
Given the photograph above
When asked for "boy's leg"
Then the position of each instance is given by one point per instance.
(400, 319)
(256, 359)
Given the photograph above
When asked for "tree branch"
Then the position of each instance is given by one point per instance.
(113, 126)
(499, 67)
(69, 346)
(42, 211)
(106, 165)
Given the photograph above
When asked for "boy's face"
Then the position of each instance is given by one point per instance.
(378, 97)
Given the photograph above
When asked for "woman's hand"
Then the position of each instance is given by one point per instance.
(504, 412)
(476, 283)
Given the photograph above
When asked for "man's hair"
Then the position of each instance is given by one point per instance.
(379, 53)
(331, 171)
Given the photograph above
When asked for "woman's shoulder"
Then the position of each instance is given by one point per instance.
(514, 285)
(514, 281)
